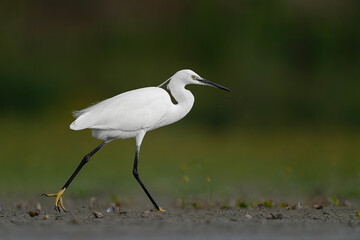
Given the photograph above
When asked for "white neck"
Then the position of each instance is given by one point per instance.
(184, 98)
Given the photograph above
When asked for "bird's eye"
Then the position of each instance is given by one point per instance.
(193, 77)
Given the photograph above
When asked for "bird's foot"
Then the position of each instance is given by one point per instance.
(58, 200)
(160, 210)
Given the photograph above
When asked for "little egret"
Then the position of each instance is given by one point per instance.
(131, 115)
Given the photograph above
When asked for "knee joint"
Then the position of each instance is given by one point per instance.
(86, 158)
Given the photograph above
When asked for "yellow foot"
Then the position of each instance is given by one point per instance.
(160, 210)
(58, 201)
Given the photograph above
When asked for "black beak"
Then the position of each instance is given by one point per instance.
(207, 82)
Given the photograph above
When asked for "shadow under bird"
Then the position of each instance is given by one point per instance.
(131, 115)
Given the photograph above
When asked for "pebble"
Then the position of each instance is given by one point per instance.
(98, 214)
(277, 216)
(46, 217)
(248, 216)
(92, 202)
(59, 218)
(145, 214)
(297, 206)
(111, 209)
(346, 203)
(34, 213)
(38, 207)
(318, 206)
(76, 220)
(21, 205)
(261, 206)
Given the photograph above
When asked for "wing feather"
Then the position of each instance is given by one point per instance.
(130, 111)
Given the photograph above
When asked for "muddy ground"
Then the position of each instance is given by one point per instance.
(134, 222)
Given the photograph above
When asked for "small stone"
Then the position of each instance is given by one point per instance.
(59, 218)
(21, 205)
(46, 217)
(346, 203)
(98, 215)
(261, 206)
(318, 206)
(248, 216)
(76, 220)
(38, 206)
(275, 216)
(34, 213)
(111, 209)
(145, 214)
(93, 202)
(297, 206)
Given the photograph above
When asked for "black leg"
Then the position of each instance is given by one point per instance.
(58, 201)
(82, 163)
(136, 175)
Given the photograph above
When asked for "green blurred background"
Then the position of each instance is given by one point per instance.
(290, 127)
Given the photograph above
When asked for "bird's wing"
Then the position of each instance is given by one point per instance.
(130, 111)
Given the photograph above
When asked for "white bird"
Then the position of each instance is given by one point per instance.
(131, 115)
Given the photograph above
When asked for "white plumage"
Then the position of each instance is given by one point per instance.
(138, 111)
(132, 114)
(126, 114)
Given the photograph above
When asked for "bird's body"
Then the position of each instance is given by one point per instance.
(132, 114)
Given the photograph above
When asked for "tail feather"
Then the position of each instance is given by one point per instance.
(82, 119)
(80, 123)
(77, 114)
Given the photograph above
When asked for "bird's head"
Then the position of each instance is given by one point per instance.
(188, 76)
